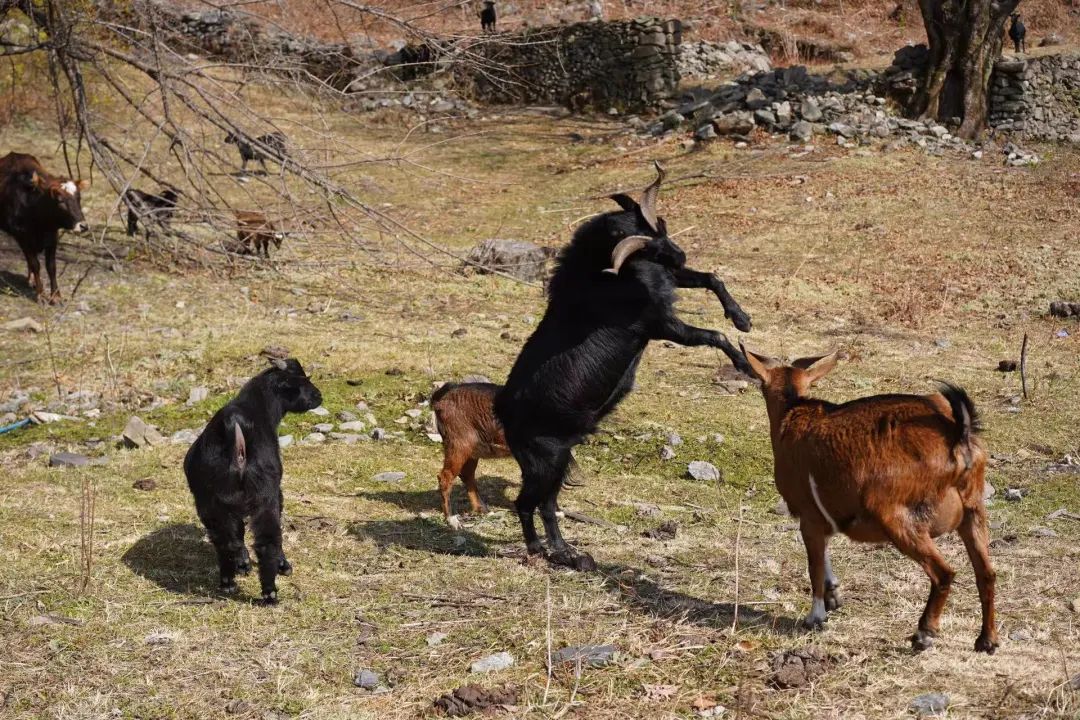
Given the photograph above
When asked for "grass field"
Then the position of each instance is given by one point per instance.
(917, 267)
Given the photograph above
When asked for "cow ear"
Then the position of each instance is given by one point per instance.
(82, 185)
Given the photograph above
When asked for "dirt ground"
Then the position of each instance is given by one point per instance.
(917, 267)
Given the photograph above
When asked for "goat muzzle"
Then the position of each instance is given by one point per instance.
(626, 247)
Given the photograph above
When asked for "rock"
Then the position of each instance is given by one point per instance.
(647, 510)
(314, 438)
(587, 655)
(842, 129)
(347, 438)
(159, 638)
(275, 351)
(346, 416)
(1043, 532)
(238, 707)
(378, 434)
(756, 99)
(674, 439)
(183, 437)
(798, 668)
(137, 434)
(930, 704)
(145, 484)
(44, 418)
(664, 531)
(1013, 494)
(801, 131)
(1020, 635)
(319, 411)
(988, 491)
(938, 131)
(414, 413)
(810, 111)
(366, 679)
(352, 426)
(765, 118)
(1051, 40)
(492, 663)
(705, 132)
(285, 441)
(323, 427)
(23, 324)
(780, 508)
(476, 378)
(436, 638)
(734, 124)
(67, 459)
(703, 471)
(388, 477)
(943, 343)
(197, 395)
(1074, 604)
(667, 453)
(469, 699)
(1074, 684)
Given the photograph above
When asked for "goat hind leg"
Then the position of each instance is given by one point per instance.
(920, 547)
(816, 559)
(974, 533)
(468, 476)
(451, 468)
(228, 545)
(266, 527)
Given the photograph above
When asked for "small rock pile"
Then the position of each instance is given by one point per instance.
(706, 59)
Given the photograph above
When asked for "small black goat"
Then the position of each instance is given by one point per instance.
(142, 205)
(271, 145)
(1018, 33)
(487, 16)
(234, 472)
(612, 292)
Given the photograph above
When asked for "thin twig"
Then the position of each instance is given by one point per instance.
(738, 542)
(1023, 365)
(547, 602)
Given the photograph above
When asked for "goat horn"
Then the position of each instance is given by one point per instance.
(278, 363)
(648, 198)
(626, 247)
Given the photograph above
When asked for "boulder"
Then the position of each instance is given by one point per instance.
(518, 258)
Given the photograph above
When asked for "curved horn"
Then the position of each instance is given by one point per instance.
(626, 247)
(278, 363)
(648, 198)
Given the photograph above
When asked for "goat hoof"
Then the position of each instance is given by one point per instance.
(922, 640)
(534, 548)
(741, 321)
(285, 568)
(986, 645)
(582, 562)
(270, 598)
(229, 587)
(243, 567)
(813, 623)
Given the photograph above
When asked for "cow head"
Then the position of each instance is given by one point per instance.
(65, 196)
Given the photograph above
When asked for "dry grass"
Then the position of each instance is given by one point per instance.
(881, 254)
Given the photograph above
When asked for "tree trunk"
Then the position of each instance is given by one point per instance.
(965, 38)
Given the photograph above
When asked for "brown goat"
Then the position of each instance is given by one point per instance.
(470, 433)
(889, 468)
(255, 233)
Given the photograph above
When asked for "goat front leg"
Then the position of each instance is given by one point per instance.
(687, 278)
(815, 541)
(832, 584)
(677, 331)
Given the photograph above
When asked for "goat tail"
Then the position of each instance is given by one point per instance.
(964, 413)
(239, 459)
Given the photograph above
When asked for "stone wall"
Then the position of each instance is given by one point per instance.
(628, 65)
(704, 59)
(1037, 97)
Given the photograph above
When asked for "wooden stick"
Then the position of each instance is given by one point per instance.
(1023, 366)
(583, 518)
(738, 540)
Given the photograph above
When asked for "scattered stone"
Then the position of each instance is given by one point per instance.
(1062, 513)
(1074, 684)
(1074, 604)
(197, 395)
(842, 129)
(703, 471)
(238, 707)
(67, 459)
(160, 638)
(705, 132)
(314, 438)
(26, 323)
(930, 704)
(802, 131)
(436, 638)
(756, 99)
(1021, 635)
(674, 439)
(798, 668)
(378, 434)
(781, 507)
(667, 453)
(518, 258)
(366, 679)
(469, 699)
(45, 418)
(492, 663)
(323, 427)
(275, 351)
(388, 477)
(137, 434)
(664, 531)
(346, 416)
(988, 491)
(476, 378)
(145, 484)
(53, 619)
(587, 655)
(647, 510)
(734, 124)
(347, 438)
(353, 426)
(1013, 494)
(319, 411)
(1043, 532)
(184, 437)
(285, 441)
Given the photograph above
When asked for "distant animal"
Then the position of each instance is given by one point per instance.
(901, 469)
(488, 17)
(142, 205)
(34, 207)
(612, 292)
(596, 9)
(1018, 33)
(254, 233)
(271, 145)
(234, 473)
(465, 417)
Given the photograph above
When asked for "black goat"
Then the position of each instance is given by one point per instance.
(234, 472)
(1018, 33)
(142, 205)
(487, 17)
(582, 358)
(271, 145)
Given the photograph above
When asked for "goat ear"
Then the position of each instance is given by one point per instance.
(817, 367)
(762, 365)
(626, 202)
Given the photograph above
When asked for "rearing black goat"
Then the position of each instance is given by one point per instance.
(143, 206)
(271, 145)
(234, 472)
(612, 292)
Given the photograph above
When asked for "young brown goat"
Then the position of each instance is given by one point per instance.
(888, 468)
(470, 433)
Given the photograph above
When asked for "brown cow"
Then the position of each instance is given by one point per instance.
(34, 207)
(255, 233)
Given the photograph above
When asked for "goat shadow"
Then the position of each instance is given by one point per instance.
(424, 534)
(647, 596)
(17, 284)
(492, 490)
(178, 559)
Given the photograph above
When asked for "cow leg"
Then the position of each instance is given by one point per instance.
(50, 267)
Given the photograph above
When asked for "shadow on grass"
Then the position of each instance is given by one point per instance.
(176, 558)
(16, 284)
(647, 596)
(492, 490)
(424, 534)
